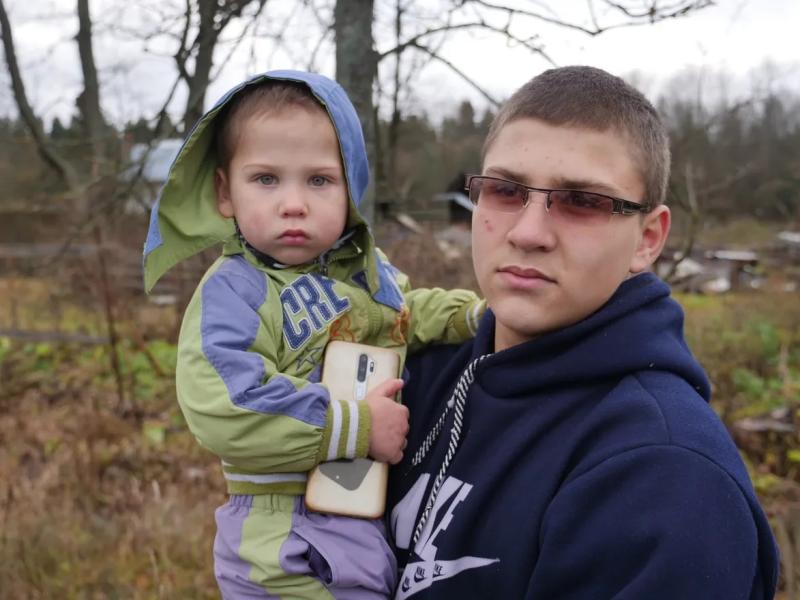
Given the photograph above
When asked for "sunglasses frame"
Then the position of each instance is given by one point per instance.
(620, 206)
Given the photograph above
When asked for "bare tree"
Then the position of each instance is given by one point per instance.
(356, 69)
(196, 33)
(89, 100)
(47, 151)
(214, 17)
(422, 34)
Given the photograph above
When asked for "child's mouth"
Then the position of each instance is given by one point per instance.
(294, 237)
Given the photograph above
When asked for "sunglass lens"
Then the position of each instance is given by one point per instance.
(577, 206)
(501, 195)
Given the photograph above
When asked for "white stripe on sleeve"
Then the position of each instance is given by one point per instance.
(336, 430)
(352, 434)
(276, 478)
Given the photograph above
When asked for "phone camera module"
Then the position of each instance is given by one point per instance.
(363, 362)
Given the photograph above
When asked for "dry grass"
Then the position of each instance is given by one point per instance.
(109, 497)
(100, 497)
(93, 505)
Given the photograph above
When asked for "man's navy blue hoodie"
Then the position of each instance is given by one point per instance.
(589, 465)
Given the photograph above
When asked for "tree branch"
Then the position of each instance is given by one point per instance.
(694, 218)
(182, 53)
(650, 15)
(238, 41)
(45, 149)
(512, 12)
(653, 13)
(398, 49)
(327, 29)
(458, 72)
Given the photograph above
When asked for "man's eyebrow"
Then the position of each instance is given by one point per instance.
(585, 185)
(505, 174)
(560, 183)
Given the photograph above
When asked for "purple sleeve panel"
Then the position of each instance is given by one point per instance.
(389, 292)
(229, 324)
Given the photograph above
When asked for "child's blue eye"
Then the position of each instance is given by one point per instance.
(317, 180)
(267, 179)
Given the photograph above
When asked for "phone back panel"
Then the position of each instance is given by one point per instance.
(357, 487)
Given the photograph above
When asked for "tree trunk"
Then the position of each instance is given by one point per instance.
(89, 100)
(356, 69)
(198, 82)
(394, 124)
(50, 156)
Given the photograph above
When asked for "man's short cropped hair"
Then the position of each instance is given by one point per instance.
(261, 100)
(581, 96)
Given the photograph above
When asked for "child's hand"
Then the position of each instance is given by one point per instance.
(387, 435)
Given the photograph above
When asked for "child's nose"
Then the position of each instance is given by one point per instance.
(293, 203)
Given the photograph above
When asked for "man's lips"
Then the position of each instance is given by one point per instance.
(528, 272)
(524, 277)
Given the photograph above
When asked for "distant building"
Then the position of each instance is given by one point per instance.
(157, 159)
(151, 164)
(789, 243)
(458, 204)
(455, 240)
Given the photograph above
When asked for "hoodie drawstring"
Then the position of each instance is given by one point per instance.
(457, 402)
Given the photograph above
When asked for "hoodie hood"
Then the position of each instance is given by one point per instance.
(185, 219)
(639, 329)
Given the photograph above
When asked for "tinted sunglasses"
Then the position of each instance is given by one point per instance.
(571, 206)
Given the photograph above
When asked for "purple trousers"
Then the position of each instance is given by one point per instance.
(271, 546)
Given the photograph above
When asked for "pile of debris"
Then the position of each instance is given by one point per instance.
(717, 271)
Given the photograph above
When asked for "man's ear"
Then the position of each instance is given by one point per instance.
(654, 232)
(223, 190)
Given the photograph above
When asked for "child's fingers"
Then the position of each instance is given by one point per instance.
(389, 387)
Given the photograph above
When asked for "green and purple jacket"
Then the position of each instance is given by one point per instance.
(254, 333)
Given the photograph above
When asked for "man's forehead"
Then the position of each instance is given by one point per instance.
(540, 154)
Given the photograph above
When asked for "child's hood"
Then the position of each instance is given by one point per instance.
(185, 219)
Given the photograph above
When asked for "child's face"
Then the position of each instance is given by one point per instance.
(285, 184)
(539, 273)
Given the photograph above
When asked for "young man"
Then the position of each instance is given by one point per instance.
(569, 451)
(276, 171)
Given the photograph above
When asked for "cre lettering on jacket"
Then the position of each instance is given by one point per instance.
(309, 304)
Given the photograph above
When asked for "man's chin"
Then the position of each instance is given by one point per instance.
(516, 326)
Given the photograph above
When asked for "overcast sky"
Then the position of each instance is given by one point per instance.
(735, 37)
(738, 37)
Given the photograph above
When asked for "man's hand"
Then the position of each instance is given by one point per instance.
(387, 435)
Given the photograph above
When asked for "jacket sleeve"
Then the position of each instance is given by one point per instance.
(657, 522)
(235, 400)
(438, 316)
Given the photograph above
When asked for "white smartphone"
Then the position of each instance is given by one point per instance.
(355, 488)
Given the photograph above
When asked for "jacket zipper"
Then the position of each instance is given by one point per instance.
(323, 263)
(324, 259)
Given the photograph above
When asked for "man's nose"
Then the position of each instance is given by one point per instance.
(533, 226)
